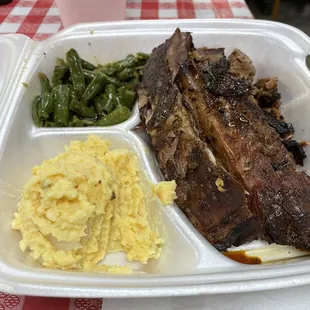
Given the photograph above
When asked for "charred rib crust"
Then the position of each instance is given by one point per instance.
(219, 213)
(250, 150)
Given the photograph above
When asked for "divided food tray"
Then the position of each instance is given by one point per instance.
(189, 265)
(12, 57)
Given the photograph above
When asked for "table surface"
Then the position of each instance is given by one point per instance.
(39, 19)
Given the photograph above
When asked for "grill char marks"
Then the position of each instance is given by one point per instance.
(213, 200)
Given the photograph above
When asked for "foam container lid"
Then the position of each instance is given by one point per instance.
(189, 265)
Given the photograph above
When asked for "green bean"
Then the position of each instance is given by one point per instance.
(81, 109)
(89, 122)
(121, 89)
(95, 87)
(59, 74)
(34, 108)
(139, 68)
(143, 56)
(109, 98)
(131, 84)
(118, 101)
(119, 115)
(71, 113)
(50, 124)
(108, 70)
(99, 105)
(45, 83)
(138, 73)
(71, 89)
(128, 98)
(89, 75)
(87, 65)
(83, 92)
(92, 108)
(61, 62)
(68, 81)
(76, 122)
(76, 71)
(125, 74)
(112, 80)
(62, 97)
(129, 62)
(46, 106)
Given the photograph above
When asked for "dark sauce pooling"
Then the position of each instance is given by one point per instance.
(241, 257)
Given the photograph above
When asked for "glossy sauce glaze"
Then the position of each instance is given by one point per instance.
(242, 257)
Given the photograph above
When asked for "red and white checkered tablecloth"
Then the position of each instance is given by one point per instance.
(13, 302)
(39, 19)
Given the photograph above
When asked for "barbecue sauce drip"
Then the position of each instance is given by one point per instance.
(241, 257)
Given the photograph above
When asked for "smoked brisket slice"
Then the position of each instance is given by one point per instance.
(251, 151)
(212, 199)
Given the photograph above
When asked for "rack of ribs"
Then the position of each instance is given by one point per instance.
(214, 200)
(236, 179)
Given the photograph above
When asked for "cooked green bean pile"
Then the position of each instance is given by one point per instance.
(83, 94)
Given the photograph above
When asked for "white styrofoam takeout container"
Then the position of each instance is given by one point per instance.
(189, 264)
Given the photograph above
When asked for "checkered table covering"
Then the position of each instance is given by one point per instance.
(39, 19)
